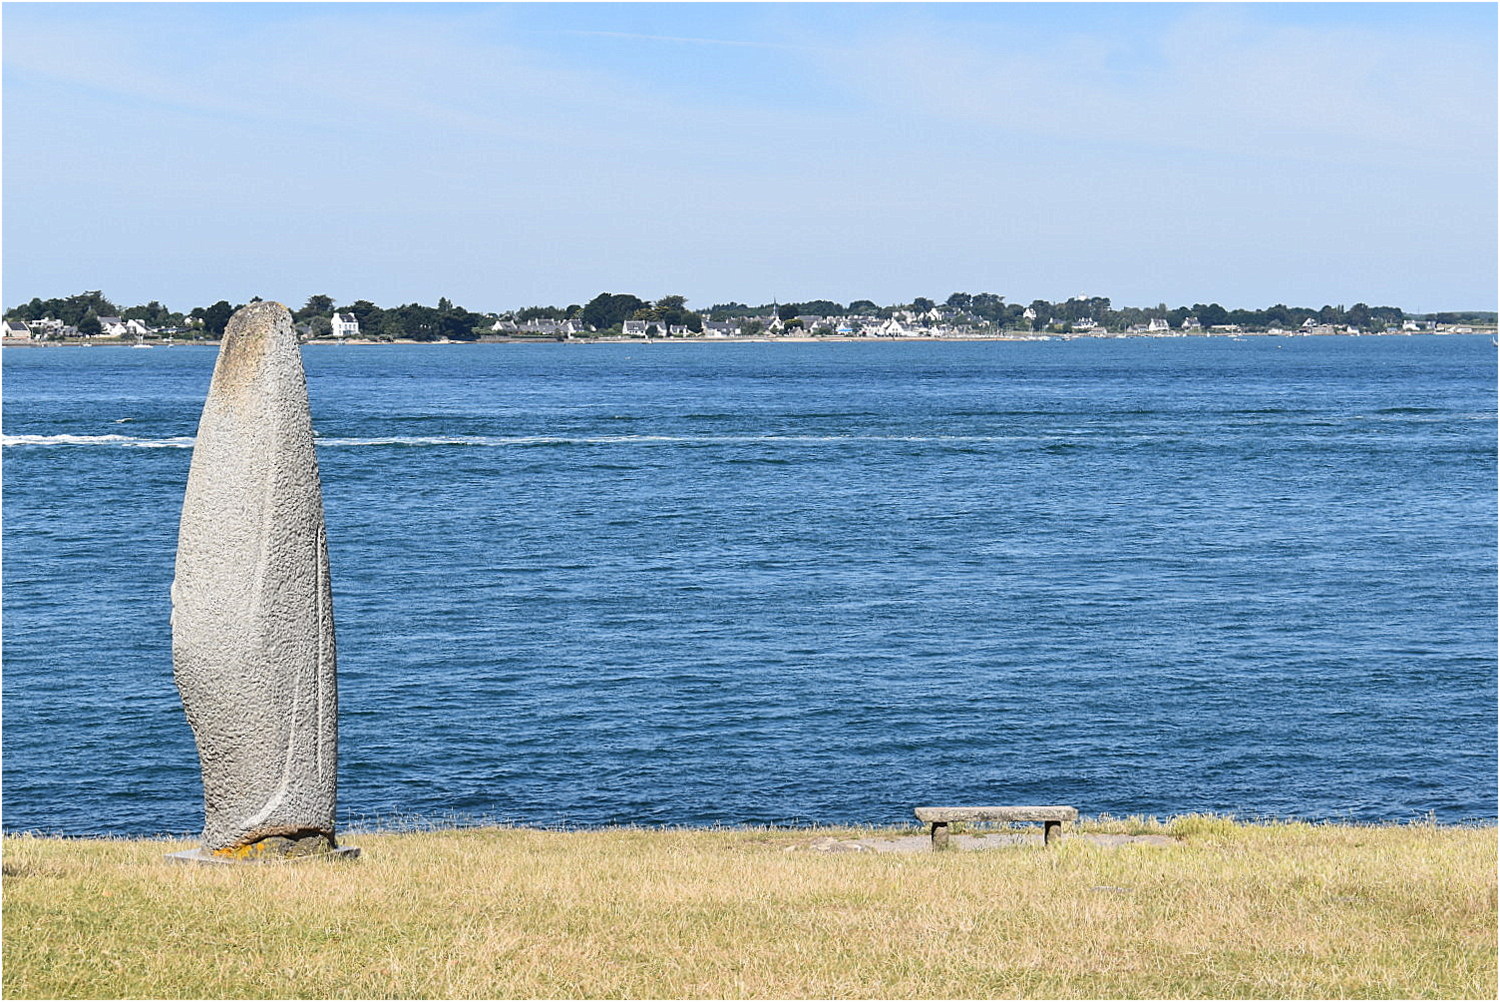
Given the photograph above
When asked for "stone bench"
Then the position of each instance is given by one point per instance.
(941, 817)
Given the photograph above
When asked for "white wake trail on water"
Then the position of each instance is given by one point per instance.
(497, 441)
(123, 441)
(525, 440)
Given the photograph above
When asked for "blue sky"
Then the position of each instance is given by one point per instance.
(505, 155)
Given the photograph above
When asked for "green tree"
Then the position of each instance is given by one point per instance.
(819, 307)
(673, 311)
(458, 324)
(611, 309)
(153, 314)
(1210, 314)
(70, 311)
(425, 323)
(988, 306)
(215, 318)
(89, 326)
(27, 311)
(316, 306)
(371, 318)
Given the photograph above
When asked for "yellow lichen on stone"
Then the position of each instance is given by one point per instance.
(239, 851)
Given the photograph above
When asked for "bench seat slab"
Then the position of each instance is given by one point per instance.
(942, 815)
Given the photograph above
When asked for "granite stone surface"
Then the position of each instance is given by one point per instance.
(252, 613)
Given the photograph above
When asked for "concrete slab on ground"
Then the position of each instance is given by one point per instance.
(200, 856)
(969, 843)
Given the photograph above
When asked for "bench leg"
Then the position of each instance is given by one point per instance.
(939, 835)
(1051, 832)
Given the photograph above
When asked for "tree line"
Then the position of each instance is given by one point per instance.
(607, 312)
(82, 311)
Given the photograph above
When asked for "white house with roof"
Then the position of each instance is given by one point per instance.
(345, 325)
(556, 328)
(17, 330)
(894, 328)
(1158, 324)
(51, 327)
(115, 327)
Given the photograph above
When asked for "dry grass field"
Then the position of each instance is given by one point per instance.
(1225, 911)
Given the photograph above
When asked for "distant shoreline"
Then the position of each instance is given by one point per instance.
(361, 342)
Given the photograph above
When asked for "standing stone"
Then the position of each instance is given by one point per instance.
(252, 611)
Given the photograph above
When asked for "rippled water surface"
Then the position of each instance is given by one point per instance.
(699, 583)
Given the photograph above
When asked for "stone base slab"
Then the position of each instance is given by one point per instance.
(200, 855)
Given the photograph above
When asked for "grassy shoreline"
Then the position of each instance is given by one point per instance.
(1219, 910)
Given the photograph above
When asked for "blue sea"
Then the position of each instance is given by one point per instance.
(695, 584)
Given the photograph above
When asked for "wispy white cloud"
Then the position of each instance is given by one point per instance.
(1217, 82)
(730, 42)
(334, 74)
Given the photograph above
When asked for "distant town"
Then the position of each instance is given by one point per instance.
(90, 317)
